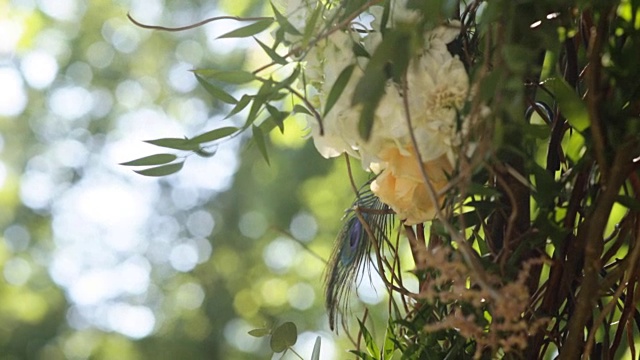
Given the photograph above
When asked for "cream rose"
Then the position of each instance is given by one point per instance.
(401, 185)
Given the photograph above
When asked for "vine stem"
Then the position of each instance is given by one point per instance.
(195, 25)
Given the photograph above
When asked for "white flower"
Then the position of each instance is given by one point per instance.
(298, 13)
(437, 88)
(339, 135)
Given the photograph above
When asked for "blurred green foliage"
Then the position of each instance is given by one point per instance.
(237, 240)
(127, 75)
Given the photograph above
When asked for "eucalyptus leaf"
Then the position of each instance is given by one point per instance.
(271, 53)
(205, 153)
(267, 125)
(258, 138)
(283, 22)
(242, 103)
(369, 92)
(289, 80)
(174, 143)
(232, 77)
(299, 109)
(277, 116)
(216, 92)
(163, 170)
(310, 26)
(249, 30)
(389, 60)
(338, 87)
(258, 102)
(215, 134)
(283, 337)
(157, 159)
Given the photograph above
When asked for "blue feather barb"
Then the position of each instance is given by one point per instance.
(352, 249)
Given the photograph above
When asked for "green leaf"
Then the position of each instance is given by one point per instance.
(157, 159)
(215, 134)
(315, 355)
(299, 109)
(267, 125)
(161, 170)
(204, 153)
(360, 51)
(259, 332)
(272, 53)
(469, 219)
(338, 87)
(362, 355)
(353, 7)
(369, 92)
(283, 337)
(174, 143)
(385, 17)
(258, 137)
(372, 348)
(538, 131)
(242, 103)
(284, 23)
(390, 59)
(310, 26)
(629, 202)
(265, 92)
(546, 187)
(570, 104)
(482, 190)
(232, 77)
(389, 342)
(289, 80)
(249, 30)
(216, 92)
(277, 116)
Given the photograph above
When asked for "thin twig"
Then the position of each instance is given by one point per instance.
(301, 243)
(331, 30)
(353, 183)
(594, 96)
(593, 245)
(310, 107)
(631, 266)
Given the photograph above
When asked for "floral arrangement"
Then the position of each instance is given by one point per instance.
(509, 128)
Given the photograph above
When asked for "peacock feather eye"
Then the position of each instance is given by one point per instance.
(352, 249)
(355, 233)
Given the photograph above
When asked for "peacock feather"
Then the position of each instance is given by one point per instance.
(366, 221)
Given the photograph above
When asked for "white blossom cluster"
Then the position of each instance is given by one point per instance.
(437, 84)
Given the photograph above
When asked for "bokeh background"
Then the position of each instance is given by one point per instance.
(100, 262)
